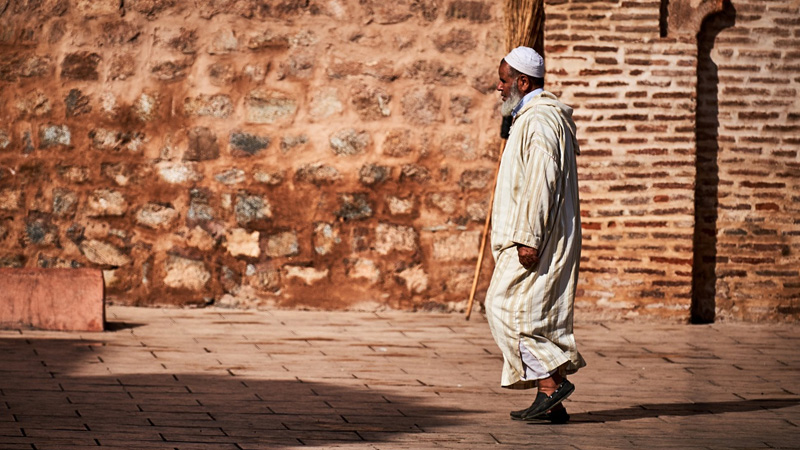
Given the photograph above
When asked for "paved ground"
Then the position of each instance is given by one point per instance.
(224, 379)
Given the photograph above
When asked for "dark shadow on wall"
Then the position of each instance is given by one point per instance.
(706, 202)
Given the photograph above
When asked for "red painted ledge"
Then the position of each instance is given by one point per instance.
(52, 299)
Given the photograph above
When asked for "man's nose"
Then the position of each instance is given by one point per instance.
(500, 86)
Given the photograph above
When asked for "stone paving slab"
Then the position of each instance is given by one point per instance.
(228, 379)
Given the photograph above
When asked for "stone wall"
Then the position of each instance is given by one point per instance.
(340, 153)
(325, 154)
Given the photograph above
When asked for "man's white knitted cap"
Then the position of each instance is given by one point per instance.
(527, 61)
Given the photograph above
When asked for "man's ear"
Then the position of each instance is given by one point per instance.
(523, 83)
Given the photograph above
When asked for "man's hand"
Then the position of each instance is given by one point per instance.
(528, 256)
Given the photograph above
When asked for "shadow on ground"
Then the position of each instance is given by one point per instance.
(43, 404)
(652, 410)
(119, 326)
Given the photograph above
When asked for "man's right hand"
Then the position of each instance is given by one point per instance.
(528, 257)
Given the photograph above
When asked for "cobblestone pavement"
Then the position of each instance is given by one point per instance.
(225, 379)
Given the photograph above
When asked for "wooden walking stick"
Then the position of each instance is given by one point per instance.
(484, 235)
(524, 23)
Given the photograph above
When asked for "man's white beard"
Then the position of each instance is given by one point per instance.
(514, 97)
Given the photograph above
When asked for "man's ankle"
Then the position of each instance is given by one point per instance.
(550, 384)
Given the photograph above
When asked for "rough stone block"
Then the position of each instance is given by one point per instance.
(250, 208)
(317, 174)
(355, 206)
(386, 13)
(373, 174)
(203, 145)
(104, 254)
(10, 199)
(122, 67)
(5, 139)
(156, 215)
(325, 103)
(456, 247)
(150, 8)
(448, 202)
(223, 42)
(421, 106)
(308, 275)
(77, 103)
(24, 66)
(120, 32)
(400, 206)
(415, 279)
(231, 177)
(397, 143)
(245, 144)
(199, 207)
(80, 66)
(267, 40)
(456, 41)
(371, 103)
(218, 106)
(221, 74)
(365, 269)
(39, 230)
(33, 104)
(478, 179)
(299, 66)
(269, 106)
(52, 299)
(52, 135)
(399, 238)
(264, 277)
(106, 202)
(240, 242)
(350, 142)
(65, 202)
(269, 177)
(185, 273)
(474, 11)
(93, 8)
(177, 173)
(282, 244)
(172, 70)
(183, 40)
(326, 237)
(415, 173)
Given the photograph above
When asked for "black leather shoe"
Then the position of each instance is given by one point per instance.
(544, 402)
(558, 416)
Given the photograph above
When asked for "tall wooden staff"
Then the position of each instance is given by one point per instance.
(524, 24)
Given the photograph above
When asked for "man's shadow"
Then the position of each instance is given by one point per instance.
(652, 410)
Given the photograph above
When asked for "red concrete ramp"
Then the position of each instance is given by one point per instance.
(52, 299)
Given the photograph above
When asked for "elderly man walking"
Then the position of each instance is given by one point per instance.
(536, 241)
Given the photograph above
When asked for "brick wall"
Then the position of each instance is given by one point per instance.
(340, 153)
(634, 96)
(757, 221)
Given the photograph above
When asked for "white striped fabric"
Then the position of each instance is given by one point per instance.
(536, 204)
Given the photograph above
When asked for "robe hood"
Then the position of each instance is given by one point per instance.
(548, 99)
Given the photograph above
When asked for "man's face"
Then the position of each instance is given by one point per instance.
(509, 91)
(506, 80)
